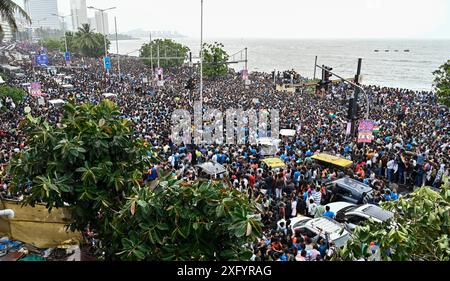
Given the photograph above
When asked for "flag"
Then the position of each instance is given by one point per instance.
(376, 129)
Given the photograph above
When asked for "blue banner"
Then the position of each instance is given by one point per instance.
(67, 56)
(42, 59)
(107, 63)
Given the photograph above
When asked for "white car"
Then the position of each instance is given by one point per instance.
(353, 215)
(321, 228)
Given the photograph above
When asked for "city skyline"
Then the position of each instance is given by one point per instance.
(353, 19)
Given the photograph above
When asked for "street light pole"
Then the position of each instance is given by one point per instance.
(64, 29)
(201, 55)
(104, 33)
(117, 47)
(102, 11)
(151, 57)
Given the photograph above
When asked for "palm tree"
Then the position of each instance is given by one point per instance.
(85, 39)
(8, 10)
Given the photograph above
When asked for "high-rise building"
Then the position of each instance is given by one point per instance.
(7, 31)
(102, 25)
(79, 13)
(41, 12)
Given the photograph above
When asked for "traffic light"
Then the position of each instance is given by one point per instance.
(190, 84)
(350, 111)
(353, 109)
(328, 75)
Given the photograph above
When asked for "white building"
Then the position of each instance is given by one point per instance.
(7, 31)
(102, 26)
(79, 13)
(41, 12)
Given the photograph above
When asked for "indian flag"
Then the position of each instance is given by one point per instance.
(376, 129)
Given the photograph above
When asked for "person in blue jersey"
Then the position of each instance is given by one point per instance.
(328, 213)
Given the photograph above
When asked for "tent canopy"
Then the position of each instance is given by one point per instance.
(57, 101)
(274, 163)
(36, 225)
(327, 158)
(108, 95)
(287, 132)
(67, 86)
(269, 141)
(212, 168)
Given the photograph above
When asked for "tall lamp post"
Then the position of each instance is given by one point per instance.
(64, 28)
(102, 11)
(38, 24)
(117, 47)
(201, 55)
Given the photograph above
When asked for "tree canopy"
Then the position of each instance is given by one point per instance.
(214, 57)
(92, 165)
(8, 10)
(89, 43)
(90, 162)
(442, 82)
(16, 94)
(167, 48)
(201, 221)
(85, 42)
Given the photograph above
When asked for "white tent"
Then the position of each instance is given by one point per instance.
(67, 86)
(212, 168)
(109, 95)
(57, 101)
(269, 141)
(269, 146)
(2, 81)
(287, 132)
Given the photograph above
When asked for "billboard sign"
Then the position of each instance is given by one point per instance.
(365, 131)
(42, 59)
(35, 89)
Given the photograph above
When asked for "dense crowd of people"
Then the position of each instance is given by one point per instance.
(410, 149)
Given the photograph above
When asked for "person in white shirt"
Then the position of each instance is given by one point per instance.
(390, 169)
(317, 195)
(281, 225)
(312, 209)
(294, 208)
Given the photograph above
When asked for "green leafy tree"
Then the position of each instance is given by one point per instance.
(420, 229)
(214, 58)
(52, 44)
(184, 222)
(46, 33)
(16, 94)
(167, 48)
(442, 82)
(91, 163)
(8, 10)
(88, 43)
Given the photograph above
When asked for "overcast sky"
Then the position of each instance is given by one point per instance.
(284, 18)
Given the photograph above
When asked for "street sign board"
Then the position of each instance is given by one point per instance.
(107, 63)
(42, 59)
